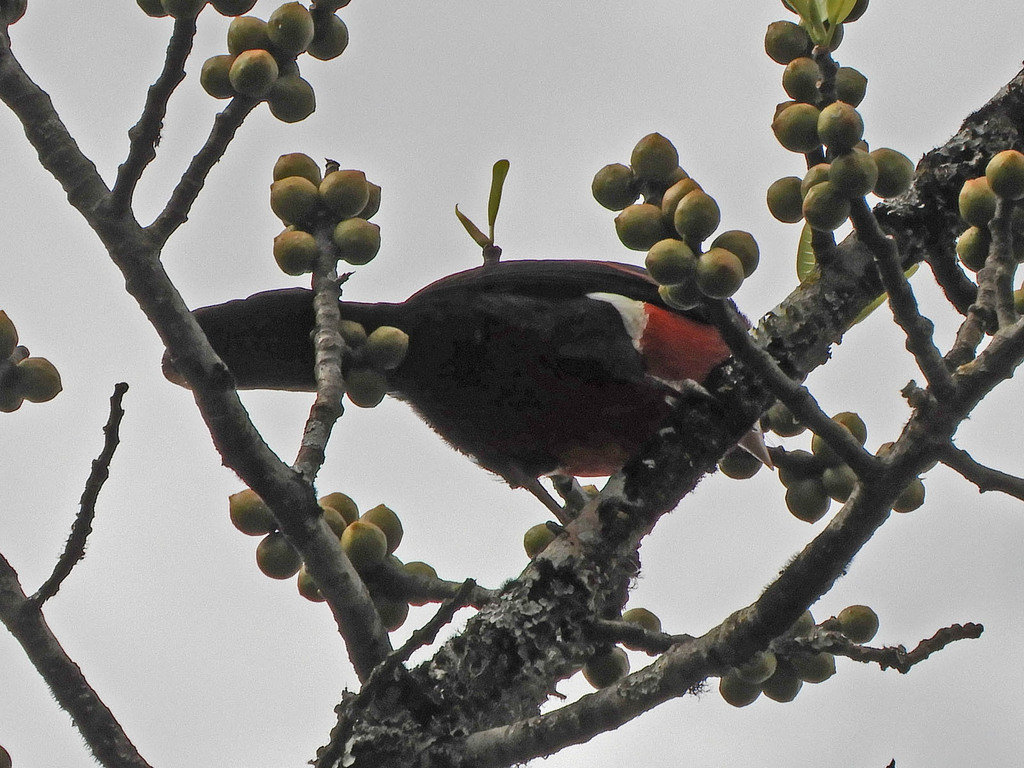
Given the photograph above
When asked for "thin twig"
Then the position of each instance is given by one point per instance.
(328, 347)
(918, 329)
(635, 636)
(795, 396)
(145, 135)
(225, 124)
(986, 478)
(74, 550)
(93, 719)
(900, 659)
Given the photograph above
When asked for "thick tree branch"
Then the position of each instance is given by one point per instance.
(74, 550)
(97, 724)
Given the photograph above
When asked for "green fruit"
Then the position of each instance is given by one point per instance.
(858, 623)
(851, 86)
(911, 498)
(742, 245)
(840, 126)
(615, 186)
(807, 500)
(253, 73)
(796, 128)
(247, 33)
(365, 544)
(250, 514)
(654, 159)
(759, 668)
(154, 8)
(344, 193)
(785, 41)
(854, 173)
(232, 7)
(671, 261)
(854, 424)
(365, 387)
(343, 504)
(972, 247)
(606, 667)
(294, 199)
(799, 465)
(372, 204)
(781, 421)
(977, 202)
(895, 172)
(816, 174)
(183, 9)
(696, 217)
(783, 686)
(736, 691)
(1005, 174)
(10, 400)
(857, 11)
(385, 518)
(719, 273)
(644, 618)
(682, 295)
(353, 333)
(295, 251)
(800, 79)
(8, 336)
(330, 38)
(297, 164)
(784, 200)
(393, 613)
(291, 99)
(214, 76)
(814, 669)
(825, 208)
(386, 347)
(675, 193)
(290, 28)
(839, 481)
(334, 520)
(640, 226)
(418, 568)
(358, 240)
(802, 626)
(739, 464)
(37, 380)
(307, 587)
(537, 538)
(276, 557)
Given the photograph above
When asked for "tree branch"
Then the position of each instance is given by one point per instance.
(145, 135)
(74, 550)
(97, 724)
(985, 478)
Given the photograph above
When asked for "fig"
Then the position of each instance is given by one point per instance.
(839, 481)
(780, 420)
(386, 347)
(344, 193)
(253, 73)
(334, 519)
(825, 208)
(760, 667)
(858, 623)
(295, 251)
(785, 41)
(977, 202)
(895, 172)
(343, 504)
(385, 518)
(297, 164)
(365, 544)
(736, 691)
(675, 193)
(739, 464)
(784, 200)
(537, 538)
(372, 203)
(1005, 174)
(357, 240)
(606, 667)
(840, 126)
(294, 199)
(854, 173)
(232, 7)
(365, 387)
(742, 245)
(154, 8)
(393, 613)
(816, 174)
(784, 685)
(682, 295)
(330, 38)
(37, 380)
(806, 499)
(290, 28)
(291, 99)
(696, 217)
(214, 76)
(800, 79)
(911, 498)
(640, 226)
(654, 159)
(796, 128)
(276, 557)
(247, 33)
(851, 86)
(353, 333)
(816, 668)
(671, 261)
(615, 186)
(643, 617)
(307, 587)
(250, 514)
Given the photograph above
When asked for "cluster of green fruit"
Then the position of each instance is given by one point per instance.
(22, 377)
(369, 358)
(341, 200)
(261, 58)
(816, 478)
(369, 540)
(781, 678)
(1004, 178)
(611, 664)
(676, 217)
(811, 121)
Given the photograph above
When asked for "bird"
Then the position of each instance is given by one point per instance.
(530, 367)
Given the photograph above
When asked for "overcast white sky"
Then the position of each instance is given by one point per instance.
(208, 663)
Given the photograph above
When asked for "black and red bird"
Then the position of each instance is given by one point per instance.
(532, 368)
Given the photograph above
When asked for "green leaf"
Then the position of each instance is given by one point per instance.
(498, 174)
(805, 261)
(474, 231)
(838, 10)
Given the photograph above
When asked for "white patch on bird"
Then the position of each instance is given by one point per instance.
(632, 312)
